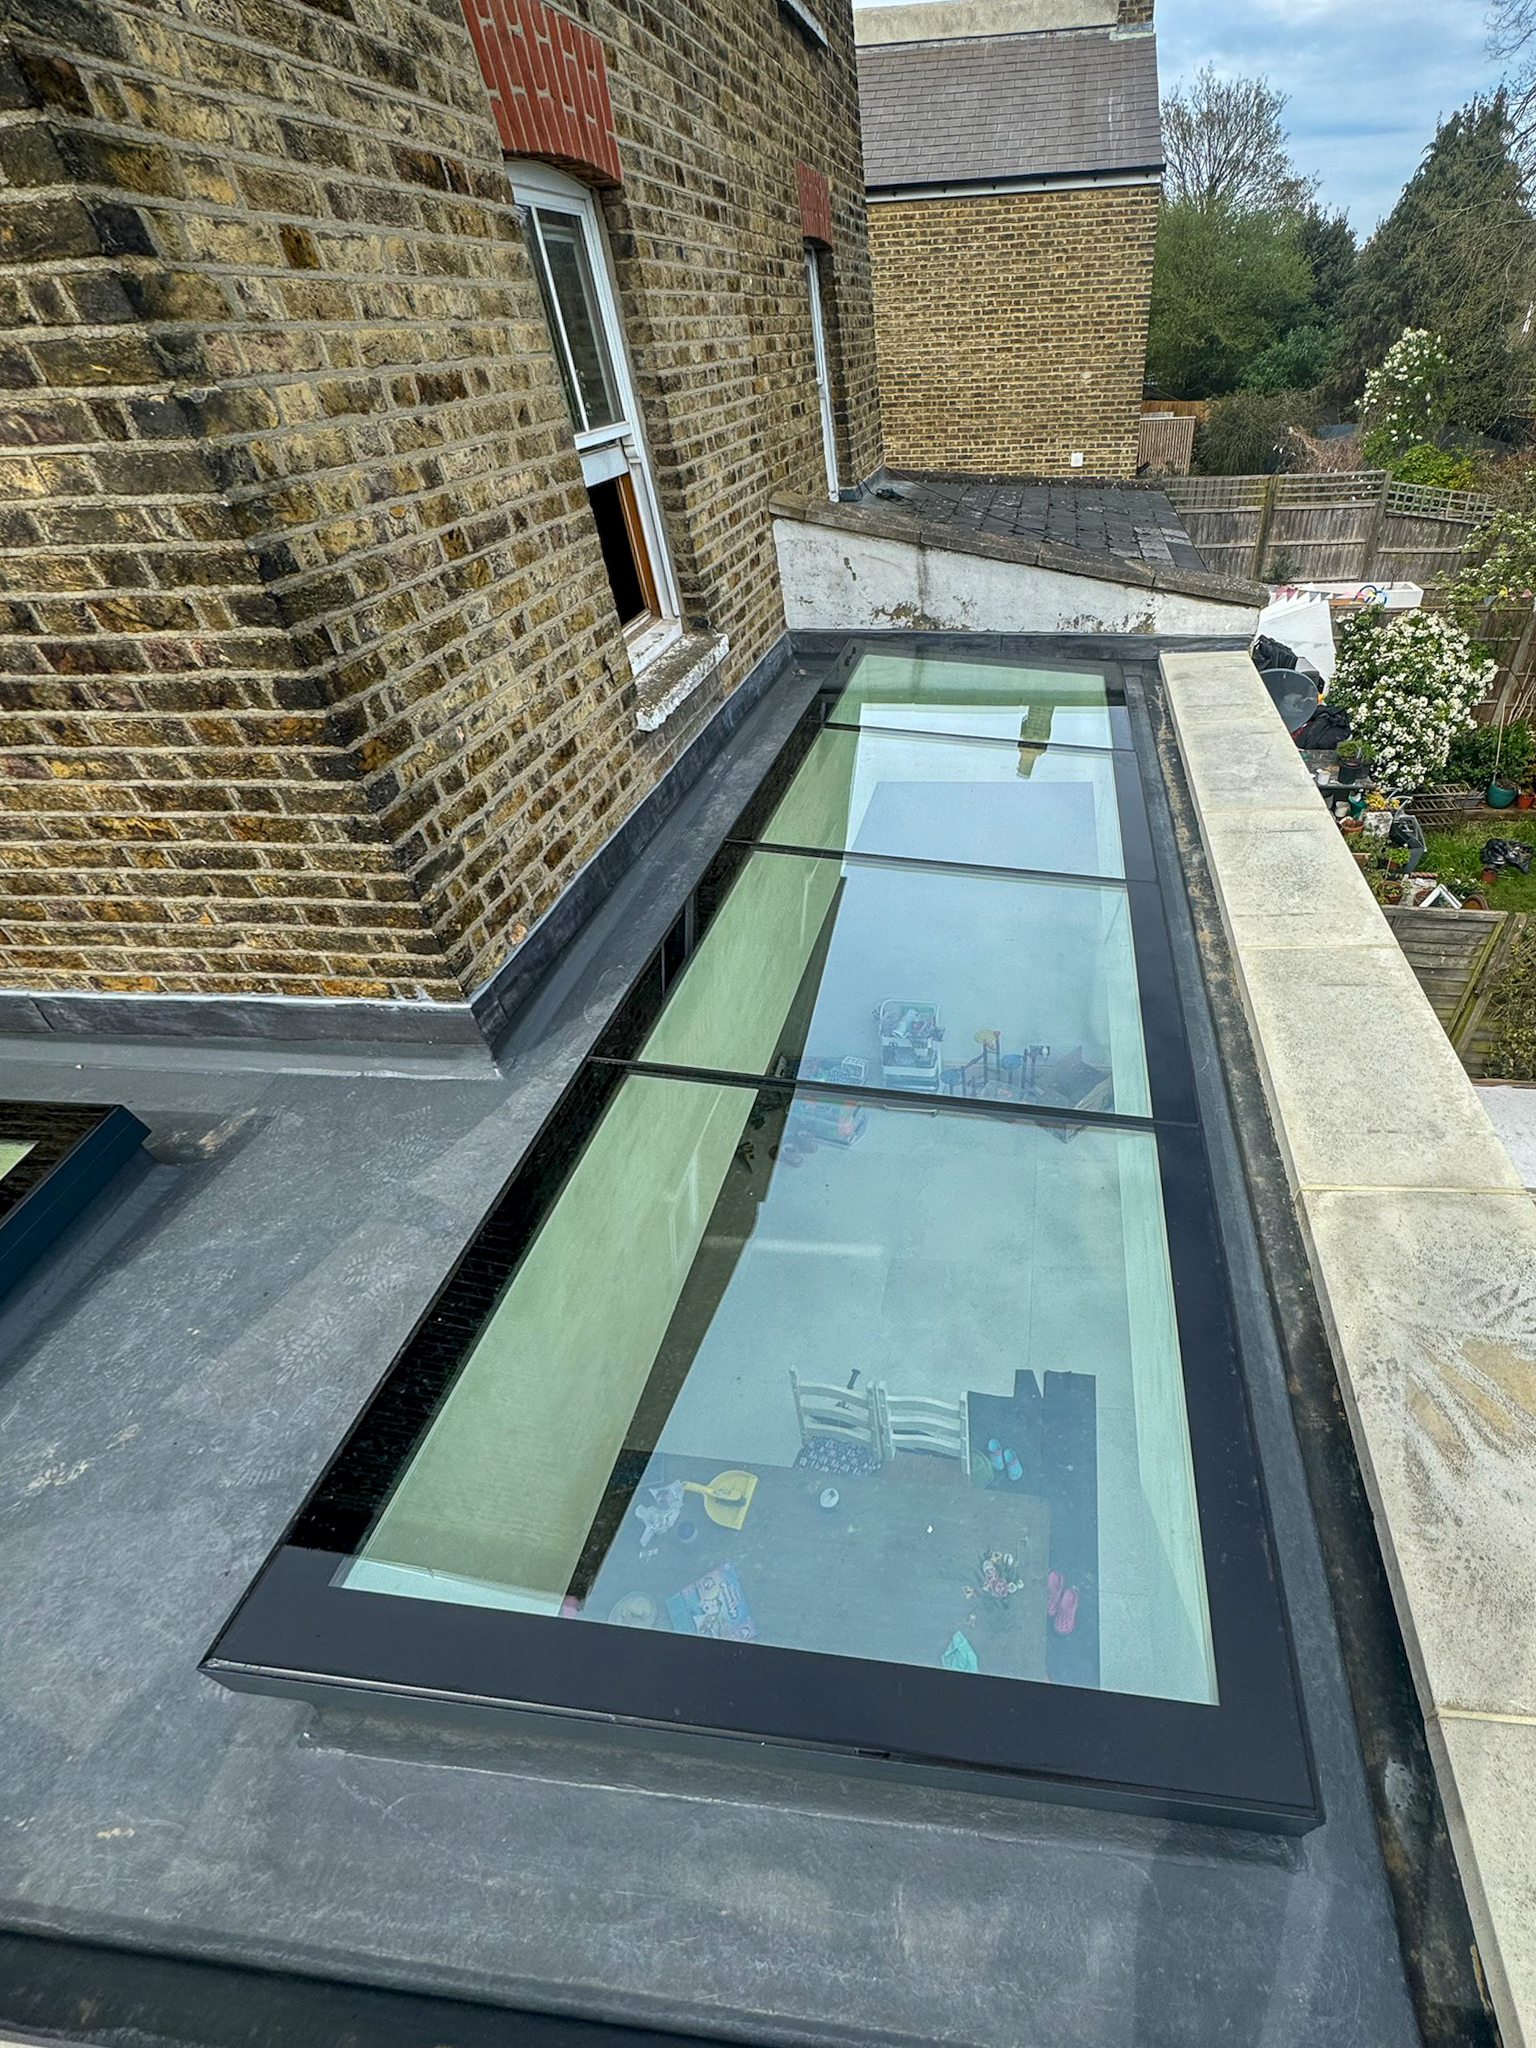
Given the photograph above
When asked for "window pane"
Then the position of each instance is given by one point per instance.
(1051, 808)
(992, 700)
(772, 1417)
(979, 986)
(571, 278)
(552, 318)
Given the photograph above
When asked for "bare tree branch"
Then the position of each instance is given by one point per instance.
(1511, 27)
(1225, 146)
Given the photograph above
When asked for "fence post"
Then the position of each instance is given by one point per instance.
(1266, 518)
(1371, 546)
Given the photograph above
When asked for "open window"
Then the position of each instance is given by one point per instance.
(823, 373)
(570, 262)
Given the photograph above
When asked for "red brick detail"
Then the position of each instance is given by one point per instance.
(815, 204)
(548, 86)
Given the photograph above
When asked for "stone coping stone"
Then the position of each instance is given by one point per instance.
(1422, 1243)
(883, 523)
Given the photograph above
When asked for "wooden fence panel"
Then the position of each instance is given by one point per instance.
(1165, 443)
(1356, 524)
(1459, 957)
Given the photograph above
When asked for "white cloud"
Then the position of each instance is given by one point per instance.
(1367, 79)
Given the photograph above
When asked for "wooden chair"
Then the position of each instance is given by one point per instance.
(853, 1413)
(915, 1422)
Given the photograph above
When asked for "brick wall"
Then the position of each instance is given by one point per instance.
(310, 680)
(1013, 329)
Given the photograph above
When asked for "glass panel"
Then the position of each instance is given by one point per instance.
(1050, 808)
(12, 1152)
(992, 700)
(888, 1385)
(570, 273)
(557, 338)
(909, 977)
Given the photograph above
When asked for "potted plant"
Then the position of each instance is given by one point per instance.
(1468, 891)
(1353, 762)
(1494, 758)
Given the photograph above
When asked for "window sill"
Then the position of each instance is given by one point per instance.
(673, 673)
(647, 642)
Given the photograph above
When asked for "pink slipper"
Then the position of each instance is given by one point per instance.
(1066, 1613)
(1053, 1586)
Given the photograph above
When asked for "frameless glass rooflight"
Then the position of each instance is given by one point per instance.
(849, 1365)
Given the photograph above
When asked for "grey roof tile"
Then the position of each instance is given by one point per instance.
(1133, 523)
(984, 107)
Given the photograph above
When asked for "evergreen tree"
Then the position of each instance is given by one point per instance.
(1225, 287)
(1456, 256)
(1328, 243)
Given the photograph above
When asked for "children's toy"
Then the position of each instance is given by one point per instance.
(727, 1496)
(910, 1040)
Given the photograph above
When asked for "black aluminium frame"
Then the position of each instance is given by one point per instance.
(1245, 1759)
(74, 1150)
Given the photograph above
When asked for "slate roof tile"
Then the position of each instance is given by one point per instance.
(983, 107)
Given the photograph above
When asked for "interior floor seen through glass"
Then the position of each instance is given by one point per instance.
(931, 980)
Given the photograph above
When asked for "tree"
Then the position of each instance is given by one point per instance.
(1294, 363)
(1225, 286)
(1456, 256)
(1512, 35)
(1328, 243)
(1225, 147)
(1249, 433)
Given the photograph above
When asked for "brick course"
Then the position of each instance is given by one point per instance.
(1012, 328)
(310, 679)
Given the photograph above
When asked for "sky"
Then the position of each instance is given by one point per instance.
(1366, 79)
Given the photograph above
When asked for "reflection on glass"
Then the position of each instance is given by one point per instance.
(12, 1152)
(934, 981)
(942, 799)
(570, 278)
(837, 1377)
(988, 700)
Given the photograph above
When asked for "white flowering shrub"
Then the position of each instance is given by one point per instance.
(1405, 395)
(1409, 684)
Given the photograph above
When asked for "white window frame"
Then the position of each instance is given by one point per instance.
(620, 447)
(823, 376)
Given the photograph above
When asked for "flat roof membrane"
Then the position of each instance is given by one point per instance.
(861, 1307)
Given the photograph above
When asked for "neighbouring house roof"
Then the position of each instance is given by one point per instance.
(1128, 521)
(982, 108)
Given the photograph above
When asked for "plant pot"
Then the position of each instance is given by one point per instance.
(1393, 893)
(1352, 828)
(1351, 772)
(1362, 861)
(1525, 799)
(1490, 876)
(1501, 795)
(1473, 900)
